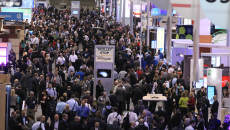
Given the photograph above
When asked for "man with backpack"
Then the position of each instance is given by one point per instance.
(107, 110)
(51, 91)
(113, 116)
(203, 105)
(128, 118)
(51, 108)
(39, 125)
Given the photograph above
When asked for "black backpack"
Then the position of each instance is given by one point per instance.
(126, 123)
(40, 128)
(52, 108)
(201, 103)
(107, 112)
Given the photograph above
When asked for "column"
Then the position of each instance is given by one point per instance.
(131, 17)
(169, 35)
(104, 1)
(228, 38)
(123, 18)
(148, 8)
(140, 37)
(111, 7)
(120, 11)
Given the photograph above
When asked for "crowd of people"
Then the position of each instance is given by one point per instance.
(65, 92)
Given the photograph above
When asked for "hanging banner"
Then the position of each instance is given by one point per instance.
(187, 8)
(162, 4)
(104, 54)
(217, 11)
(163, 22)
(10, 3)
(160, 38)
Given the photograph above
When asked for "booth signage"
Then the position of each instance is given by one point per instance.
(12, 15)
(104, 54)
(11, 3)
(217, 11)
(163, 22)
(160, 38)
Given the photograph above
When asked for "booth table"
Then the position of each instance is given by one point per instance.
(156, 98)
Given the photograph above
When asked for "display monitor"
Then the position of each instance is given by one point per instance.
(104, 73)
(31, 32)
(75, 12)
(195, 84)
(201, 83)
(198, 85)
(210, 93)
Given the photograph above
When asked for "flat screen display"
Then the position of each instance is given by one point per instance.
(201, 83)
(198, 85)
(75, 12)
(103, 73)
(210, 93)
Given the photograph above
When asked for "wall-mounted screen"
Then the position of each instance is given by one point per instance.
(103, 73)
(75, 12)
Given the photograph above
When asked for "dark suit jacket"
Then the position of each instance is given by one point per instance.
(136, 94)
(52, 125)
(103, 125)
(76, 88)
(21, 94)
(121, 94)
(162, 113)
(34, 84)
(62, 74)
(99, 90)
(177, 128)
(62, 90)
(160, 126)
(215, 106)
(181, 81)
(113, 100)
(113, 127)
(216, 122)
(47, 126)
(200, 126)
(93, 128)
(141, 127)
(75, 125)
(13, 125)
(63, 125)
(69, 93)
(20, 120)
(169, 104)
(18, 75)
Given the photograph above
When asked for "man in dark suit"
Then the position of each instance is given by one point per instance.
(99, 89)
(113, 99)
(215, 105)
(181, 80)
(22, 118)
(169, 107)
(121, 96)
(162, 113)
(23, 82)
(199, 92)
(46, 68)
(62, 74)
(203, 104)
(41, 87)
(55, 122)
(70, 79)
(69, 92)
(18, 74)
(214, 122)
(63, 124)
(12, 123)
(103, 125)
(24, 66)
(34, 85)
(76, 88)
(46, 124)
(136, 95)
(22, 96)
(96, 126)
(119, 63)
(75, 124)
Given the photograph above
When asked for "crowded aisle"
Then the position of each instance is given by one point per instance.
(53, 82)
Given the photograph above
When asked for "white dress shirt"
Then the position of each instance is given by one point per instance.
(62, 60)
(170, 70)
(37, 125)
(35, 41)
(73, 58)
(132, 116)
(113, 116)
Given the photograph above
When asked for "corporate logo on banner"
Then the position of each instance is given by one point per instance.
(209, 72)
(104, 54)
(11, 3)
(12, 16)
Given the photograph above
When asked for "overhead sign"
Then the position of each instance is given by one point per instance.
(104, 54)
(187, 8)
(10, 3)
(160, 38)
(163, 22)
(217, 11)
(12, 15)
(162, 4)
(27, 12)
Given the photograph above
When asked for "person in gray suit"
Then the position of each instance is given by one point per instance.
(121, 96)
(86, 85)
(101, 102)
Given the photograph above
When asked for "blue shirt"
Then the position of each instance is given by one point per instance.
(104, 110)
(52, 92)
(37, 125)
(161, 55)
(81, 75)
(83, 111)
(71, 103)
(60, 107)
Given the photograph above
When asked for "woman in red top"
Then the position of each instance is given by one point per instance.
(191, 102)
(139, 72)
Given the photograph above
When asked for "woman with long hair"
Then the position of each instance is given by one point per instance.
(13, 100)
(44, 102)
(183, 104)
